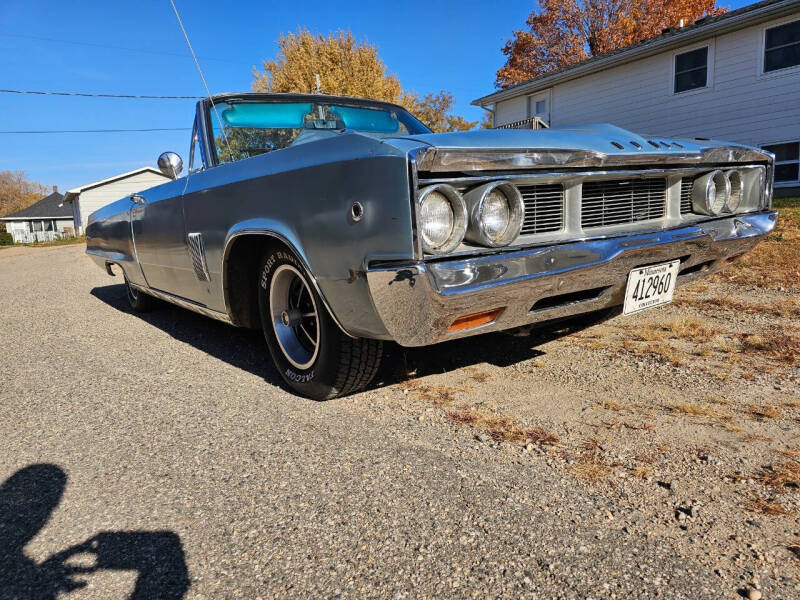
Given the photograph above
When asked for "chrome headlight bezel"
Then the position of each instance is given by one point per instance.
(475, 200)
(735, 190)
(702, 189)
(459, 210)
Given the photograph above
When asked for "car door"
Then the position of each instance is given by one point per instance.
(159, 235)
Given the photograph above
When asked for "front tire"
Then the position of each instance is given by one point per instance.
(314, 357)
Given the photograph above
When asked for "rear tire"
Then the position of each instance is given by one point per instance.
(314, 357)
(138, 300)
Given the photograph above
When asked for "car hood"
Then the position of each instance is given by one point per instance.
(600, 137)
(589, 146)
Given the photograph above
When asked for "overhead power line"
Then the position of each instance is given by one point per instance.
(99, 95)
(97, 130)
(112, 47)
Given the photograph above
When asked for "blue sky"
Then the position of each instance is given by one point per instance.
(137, 48)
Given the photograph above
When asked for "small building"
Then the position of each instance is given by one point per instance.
(733, 77)
(47, 220)
(86, 199)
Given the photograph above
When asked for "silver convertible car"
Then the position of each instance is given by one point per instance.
(337, 223)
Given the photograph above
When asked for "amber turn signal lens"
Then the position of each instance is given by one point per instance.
(475, 319)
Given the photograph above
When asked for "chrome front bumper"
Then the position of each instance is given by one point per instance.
(418, 302)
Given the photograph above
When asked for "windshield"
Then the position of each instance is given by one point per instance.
(254, 128)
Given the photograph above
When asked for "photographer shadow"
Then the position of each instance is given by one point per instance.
(28, 498)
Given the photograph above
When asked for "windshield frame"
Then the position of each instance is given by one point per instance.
(211, 157)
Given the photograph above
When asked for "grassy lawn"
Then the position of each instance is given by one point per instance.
(775, 263)
(81, 239)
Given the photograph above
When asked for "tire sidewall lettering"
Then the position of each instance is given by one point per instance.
(276, 257)
(273, 261)
(299, 377)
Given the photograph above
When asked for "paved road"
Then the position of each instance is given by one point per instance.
(162, 449)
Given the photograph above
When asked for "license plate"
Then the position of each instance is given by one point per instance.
(650, 286)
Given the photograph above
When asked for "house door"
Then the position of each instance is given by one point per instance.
(539, 106)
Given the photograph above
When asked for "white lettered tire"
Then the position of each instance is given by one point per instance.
(314, 357)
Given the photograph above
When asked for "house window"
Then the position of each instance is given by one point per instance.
(782, 47)
(36, 225)
(541, 106)
(691, 70)
(48, 225)
(787, 161)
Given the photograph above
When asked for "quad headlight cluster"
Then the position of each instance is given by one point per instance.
(490, 215)
(718, 192)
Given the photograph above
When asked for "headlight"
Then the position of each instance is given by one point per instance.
(496, 212)
(442, 218)
(736, 191)
(710, 193)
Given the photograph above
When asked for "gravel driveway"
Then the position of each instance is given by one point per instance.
(161, 453)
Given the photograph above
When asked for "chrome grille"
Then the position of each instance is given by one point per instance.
(686, 194)
(544, 208)
(616, 201)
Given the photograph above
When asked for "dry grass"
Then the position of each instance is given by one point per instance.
(694, 409)
(763, 412)
(697, 410)
(732, 427)
(590, 468)
(590, 465)
(792, 403)
(611, 405)
(502, 427)
(774, 262)
(786, 307)
(715, 399)
(780, 345)
(682, 328)
(480, 376)
(689, 328)
(761, 505)
(781, 475)
(646, 426)
(439, 395)
(665, 352)
(792, 452)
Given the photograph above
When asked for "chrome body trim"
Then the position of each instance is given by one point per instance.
(448, 160)
(183, 303)
(419, 301)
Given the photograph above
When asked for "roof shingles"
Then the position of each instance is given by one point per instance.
(51, 206)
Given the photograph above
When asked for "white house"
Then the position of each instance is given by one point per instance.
(86, 199)
(44, 221)
(734, 77)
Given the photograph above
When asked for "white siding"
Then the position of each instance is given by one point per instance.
(741, 104)
(102, 195)
(62, 224)
(511, 110)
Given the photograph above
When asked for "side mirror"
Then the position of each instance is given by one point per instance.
(170, 164)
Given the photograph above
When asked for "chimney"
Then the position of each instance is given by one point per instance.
(55, 189)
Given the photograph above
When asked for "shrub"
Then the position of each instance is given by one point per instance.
(6, 239)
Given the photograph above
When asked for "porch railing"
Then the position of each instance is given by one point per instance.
(529, 123)
(31, 237)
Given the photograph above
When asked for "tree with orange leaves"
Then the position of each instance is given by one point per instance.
(565, 32)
